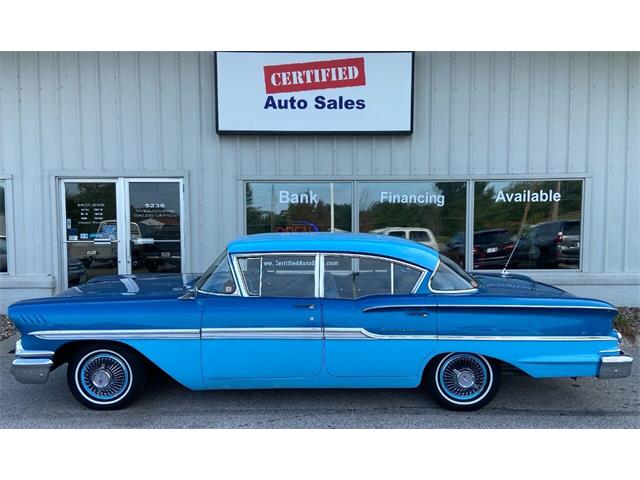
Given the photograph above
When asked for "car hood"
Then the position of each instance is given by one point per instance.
(133, 285)
(516, 285)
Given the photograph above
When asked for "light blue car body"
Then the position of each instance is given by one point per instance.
(374, 341)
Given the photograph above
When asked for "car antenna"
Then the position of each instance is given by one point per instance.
(504, 270)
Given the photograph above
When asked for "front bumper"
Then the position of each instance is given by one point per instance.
(615, 366)
(31, 366)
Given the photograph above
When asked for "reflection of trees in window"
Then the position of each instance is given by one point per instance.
(443, 221)
(518, 216)
(296, 217)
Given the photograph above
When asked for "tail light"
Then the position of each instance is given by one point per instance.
(559, 238)
(508, 246)
(477, 252)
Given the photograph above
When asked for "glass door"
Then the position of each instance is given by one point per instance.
(91, 229)
(155, 226)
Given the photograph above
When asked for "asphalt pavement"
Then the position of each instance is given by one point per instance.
(522, 402)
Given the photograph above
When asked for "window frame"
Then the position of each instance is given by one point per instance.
(244, 291)
(236, 292)
(8, 219)
(446, 292)
(319, 270)
(393, 261)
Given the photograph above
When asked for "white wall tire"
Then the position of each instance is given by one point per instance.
(105, 376)
(463, 381)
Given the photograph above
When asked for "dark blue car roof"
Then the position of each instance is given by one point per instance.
(363, 243)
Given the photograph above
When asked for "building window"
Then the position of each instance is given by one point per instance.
(432, 213)
(3, 228)
(535, 222)
(298, 207)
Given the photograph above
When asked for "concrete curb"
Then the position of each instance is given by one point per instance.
(8, 344)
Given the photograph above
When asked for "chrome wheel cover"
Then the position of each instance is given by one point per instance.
(464, 378)
(103, 377)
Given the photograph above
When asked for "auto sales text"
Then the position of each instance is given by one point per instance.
(320, 102)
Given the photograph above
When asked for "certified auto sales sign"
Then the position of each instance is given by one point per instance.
(263, 92)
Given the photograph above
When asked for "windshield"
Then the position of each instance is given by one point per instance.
(218, 277)
(449, 277)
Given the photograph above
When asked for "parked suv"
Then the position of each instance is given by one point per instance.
(491, 248)
(417, 234)
(552, 243)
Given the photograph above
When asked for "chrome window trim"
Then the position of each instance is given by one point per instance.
(296, 333)
(423, 271)
(435, 270)
(245, 293)
(125, 334)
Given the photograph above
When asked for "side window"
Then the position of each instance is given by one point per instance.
(279, 275)
(419, 236)
(397, 233)
(221, 279)
(351, 277)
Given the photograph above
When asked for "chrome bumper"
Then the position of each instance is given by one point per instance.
(31, 366)
(615, 366)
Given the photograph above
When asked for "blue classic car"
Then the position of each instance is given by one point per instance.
(316, 310)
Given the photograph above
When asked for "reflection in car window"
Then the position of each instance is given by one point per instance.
(279, 275)
(218, 277)
(450, 277)
(353, 277)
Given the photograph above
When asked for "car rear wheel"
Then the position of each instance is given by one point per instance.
(463, 381)
(105, 377)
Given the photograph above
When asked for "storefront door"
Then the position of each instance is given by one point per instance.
(121, 226)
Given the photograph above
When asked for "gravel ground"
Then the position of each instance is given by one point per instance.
(6, 327)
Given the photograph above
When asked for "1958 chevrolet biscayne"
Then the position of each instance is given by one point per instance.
(316, 310)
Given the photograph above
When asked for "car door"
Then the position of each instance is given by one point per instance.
(375, 326)
(271, 327)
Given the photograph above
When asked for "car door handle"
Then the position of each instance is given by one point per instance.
(307, 306)
(417, 313)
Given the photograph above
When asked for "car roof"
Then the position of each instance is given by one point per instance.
(362, 243)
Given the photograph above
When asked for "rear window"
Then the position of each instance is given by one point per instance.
(571, 228)
(419, 236)
(449, 277)
(486, 238)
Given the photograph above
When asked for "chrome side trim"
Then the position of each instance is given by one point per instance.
(589, 307)
(392, 307)
(143, 334)
(526, 338)
(312, 333)
(363, 334)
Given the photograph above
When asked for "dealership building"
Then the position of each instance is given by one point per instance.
(131, 163)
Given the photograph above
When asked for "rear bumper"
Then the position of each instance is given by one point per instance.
(31, 366)
(616, 366)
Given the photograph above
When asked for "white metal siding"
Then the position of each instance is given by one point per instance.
(476, 115)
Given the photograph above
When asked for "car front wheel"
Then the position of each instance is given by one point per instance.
(463, 381)
(106, 377)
